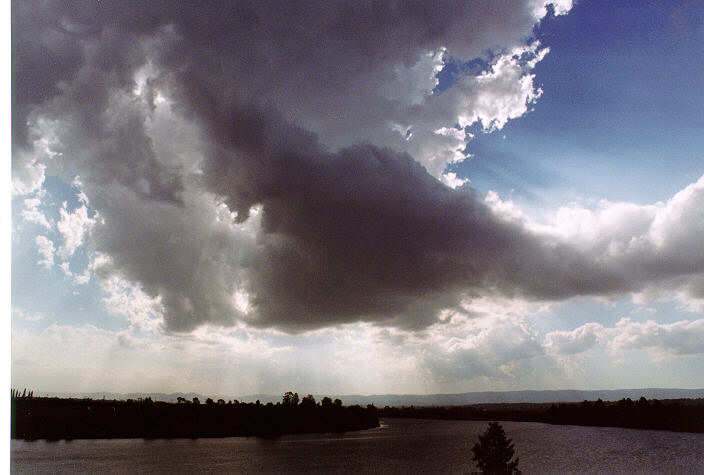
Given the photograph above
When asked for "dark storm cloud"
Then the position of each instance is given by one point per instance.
(348, 233)
(367, 233)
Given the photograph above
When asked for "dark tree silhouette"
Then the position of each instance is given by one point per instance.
(493, 452)
(54, 418)
(308, 401)
(290, 399)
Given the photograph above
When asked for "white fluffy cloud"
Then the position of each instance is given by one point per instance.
(32, 214)
(128, 300)
(576, 341)
(73, 227)
(46, 250)
(27, 173)
(678, 338)
(490, 347)
(656, 248)
(433, 131)
(502, 93)
(691, 294)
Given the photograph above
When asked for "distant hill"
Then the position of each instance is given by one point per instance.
(172, 397)
(381, 400)
(566, 395)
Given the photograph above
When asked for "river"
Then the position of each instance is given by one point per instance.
(398, 446)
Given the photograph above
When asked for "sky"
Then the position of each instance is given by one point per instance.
(357, 197)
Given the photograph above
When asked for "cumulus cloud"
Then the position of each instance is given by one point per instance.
(655, 247)
(280, 164)
(434, 132)
(82, 278)
(691, 295)
(27, 173)
(576, 341)
(502, 93)
(45, 248)
(678, 338)
(64, 266)
(368, 233)
(130, 301)
(493, 347)
(131, 74)
(72, 227)
(484, 339)
(32, 214)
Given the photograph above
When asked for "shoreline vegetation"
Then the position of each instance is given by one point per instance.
(54, 418)
(50, 418)
(678, 415)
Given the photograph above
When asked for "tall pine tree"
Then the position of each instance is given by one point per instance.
(493, 452)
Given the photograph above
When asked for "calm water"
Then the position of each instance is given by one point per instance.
(399, 446)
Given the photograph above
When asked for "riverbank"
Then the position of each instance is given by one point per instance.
(679, 415)
(55, 419)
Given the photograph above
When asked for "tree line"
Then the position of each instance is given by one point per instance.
(61, 418)
(675, 415)
(682, 415)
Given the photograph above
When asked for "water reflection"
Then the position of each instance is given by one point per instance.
(398, 446)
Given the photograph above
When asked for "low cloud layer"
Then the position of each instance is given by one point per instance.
(283, 164)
